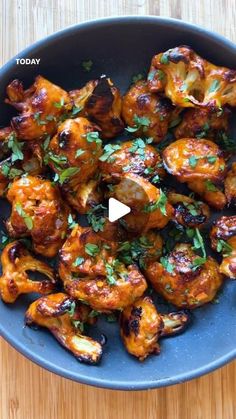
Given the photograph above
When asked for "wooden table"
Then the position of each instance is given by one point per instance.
(28, 391)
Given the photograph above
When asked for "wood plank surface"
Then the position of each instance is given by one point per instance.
(29, 392)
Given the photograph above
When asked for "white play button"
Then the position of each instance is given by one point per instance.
(116, 210)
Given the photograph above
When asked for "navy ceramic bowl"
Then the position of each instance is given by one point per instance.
(121, 47)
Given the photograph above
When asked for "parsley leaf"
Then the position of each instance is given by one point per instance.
(164, 59)
(27, 219)
(71, 222)
(159, 204)
(210, 186)
(93, 137)
(76, 110)
(71, 310)
(16, 148)
(91, 249)
(193, 161)
(95, 217)
(79, 152)
(109, 149)
(140, 122)
(169, 267)
(87, 65)
(223, 246)
(199, 261)
(67, 173)
(78, 261)
(60, 104)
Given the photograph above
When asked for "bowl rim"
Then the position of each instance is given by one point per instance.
(20, 347)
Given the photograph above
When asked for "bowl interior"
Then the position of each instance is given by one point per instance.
(121, 48)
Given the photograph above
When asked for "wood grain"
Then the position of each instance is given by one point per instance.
(29, 392)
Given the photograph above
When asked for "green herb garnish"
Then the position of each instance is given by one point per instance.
(27, 219)
(159, 204)
(91, 249)
(169, 267)
(109, 149)
(87, 65)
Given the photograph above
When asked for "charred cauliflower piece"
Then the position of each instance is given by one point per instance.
(181, 281)
(62, 315)
(131, 156)
(16, 262)
(189, 159)
(187, 211)
(202, 123)
(230, 185)
(75, 146)
(145, 113)
(189, 81)
(37, 211)
(100, 101)
(223, 240)
(41, 107)
(92, 273)
(149, 205)
(141, 326)
(84, 196)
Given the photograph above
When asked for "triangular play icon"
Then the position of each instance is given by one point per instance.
(116, 209)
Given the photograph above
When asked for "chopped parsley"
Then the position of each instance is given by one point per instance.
(111, 277)
(56, 159)
(198, 242)
(78, 261)
(169, 267)
(27, 219)
(71, 310)
(79, 152)
(71, 222)
(199, 261)
(140, 122)
(159, 204)
(9, 172)
(60, 104)
(224, 247)
(91, 249)
(93, 137)
(138, 147)
(164, 59)
(87, 65)
(194, 159)
(67, 173)
(210, 186)
(109, 149)
(4, 240)
(15, 147)
(136, 251)
(76, 110)
(96, 218)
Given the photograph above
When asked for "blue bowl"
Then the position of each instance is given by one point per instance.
(121, 47)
